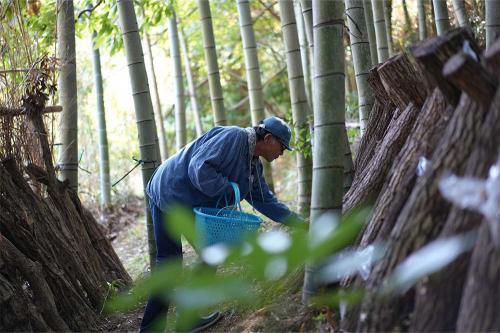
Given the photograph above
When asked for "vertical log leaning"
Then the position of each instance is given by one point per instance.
(41, 290)
(481, 295)
(400, 80)
(380, 116)
(425, 212)
(492, 9)
(59, 238)
(396, 72)
(428, 129)
(438, 298)
(434, 53)
(471, 77)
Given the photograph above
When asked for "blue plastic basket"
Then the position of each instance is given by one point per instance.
(222, 225)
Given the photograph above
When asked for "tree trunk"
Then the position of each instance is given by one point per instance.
(461, 13)
(388, 25)
(216, 95)
(307, 14)
(361, 57)
(442, 18)
(408, 25)
(191, 86)
(162, 136)
(492, 8)
(348, 163)
(329, 118)
(305, 55)
(253, 76)
(180, 110)
(148, 141)
(380, 30)
(300, 108)
(396, 73)
(370, 28)
(422, 22)
(101, 125)
(68, 156)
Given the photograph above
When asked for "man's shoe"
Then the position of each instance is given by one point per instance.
(207, 321)
(202, 323)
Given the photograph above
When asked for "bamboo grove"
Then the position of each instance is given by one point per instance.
(423, 78)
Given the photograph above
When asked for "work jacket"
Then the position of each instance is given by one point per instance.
(199, 175)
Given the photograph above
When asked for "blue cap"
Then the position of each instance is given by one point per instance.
(279, 129)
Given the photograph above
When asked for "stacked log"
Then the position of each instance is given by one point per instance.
(456, 128)
(56, 265)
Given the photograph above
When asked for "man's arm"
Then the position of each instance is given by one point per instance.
(264, 200)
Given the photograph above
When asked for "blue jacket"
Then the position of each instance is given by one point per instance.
(199, 174)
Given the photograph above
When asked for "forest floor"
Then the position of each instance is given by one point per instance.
(279, 311)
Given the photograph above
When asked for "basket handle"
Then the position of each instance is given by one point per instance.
(237, 199)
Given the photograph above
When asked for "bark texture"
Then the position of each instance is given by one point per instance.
(438, 298)
(399, 72)
(428, 129)
(56, 264)
(410, 211)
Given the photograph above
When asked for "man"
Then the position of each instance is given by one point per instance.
(199, 174)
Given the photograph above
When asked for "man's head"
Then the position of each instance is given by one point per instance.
(273, 137)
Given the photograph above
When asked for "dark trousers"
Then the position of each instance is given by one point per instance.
(167, 247)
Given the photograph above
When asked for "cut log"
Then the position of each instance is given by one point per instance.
(434, 53)
(369, 181)
(378, 120)
(42, 294)
(424, 214)
(428, 129)
(398, 71)
(492, 57)
(471, 78)
(400, 180)
(400, 81)
(438, 298)
(444, 290)
(481, 295)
